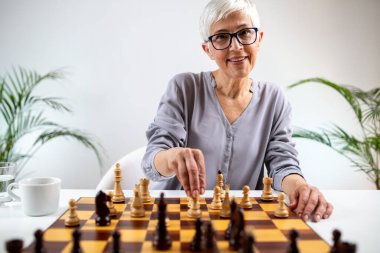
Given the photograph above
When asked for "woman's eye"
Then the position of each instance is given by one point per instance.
(221, 37)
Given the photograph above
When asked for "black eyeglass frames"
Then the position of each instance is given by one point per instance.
(246, 36)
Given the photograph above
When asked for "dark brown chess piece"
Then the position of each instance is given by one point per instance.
(227, 233)
(101, 209)
(246, 242)
(116, 242)
(76, 242)
(293, 248)
(196, 243)
(14, 246)
(237, 228)
(210, 241)
(161, 239)
(39, 246)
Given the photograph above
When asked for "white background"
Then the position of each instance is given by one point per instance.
(119, 55)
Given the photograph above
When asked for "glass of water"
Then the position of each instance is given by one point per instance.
(7, 176)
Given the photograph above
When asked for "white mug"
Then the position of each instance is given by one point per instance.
(39, 196)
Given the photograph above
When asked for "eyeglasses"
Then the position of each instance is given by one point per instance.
(246, 36)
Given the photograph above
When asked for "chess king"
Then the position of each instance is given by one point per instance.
(228, 120)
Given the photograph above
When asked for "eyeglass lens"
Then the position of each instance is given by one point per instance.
(223, 40)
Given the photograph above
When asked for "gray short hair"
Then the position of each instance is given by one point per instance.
(216, 10)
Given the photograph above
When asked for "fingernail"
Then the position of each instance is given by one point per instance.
(202, 190)
(305, 218)
(317, 218)
(188, 193)
(195, 193)
(299, 215)
(325, 216)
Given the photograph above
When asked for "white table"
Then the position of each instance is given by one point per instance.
(356, 214)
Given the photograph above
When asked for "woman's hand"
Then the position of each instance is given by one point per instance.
(306, 200)
(187, 164)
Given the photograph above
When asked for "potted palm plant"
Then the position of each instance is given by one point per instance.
(363, 151)
(23, 113)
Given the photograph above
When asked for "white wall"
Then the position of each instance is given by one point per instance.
(119, 56)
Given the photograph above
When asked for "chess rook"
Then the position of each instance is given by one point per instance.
(145, 194)
(267, 194)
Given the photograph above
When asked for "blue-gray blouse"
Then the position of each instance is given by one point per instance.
(189, 115)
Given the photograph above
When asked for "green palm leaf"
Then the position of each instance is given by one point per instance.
(363, 151)
(22, 112)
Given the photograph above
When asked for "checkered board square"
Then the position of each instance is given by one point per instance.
(271, 233)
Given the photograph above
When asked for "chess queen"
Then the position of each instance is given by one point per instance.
(227, 120)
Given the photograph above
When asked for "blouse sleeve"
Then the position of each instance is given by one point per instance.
(166, 131)
(281, 156)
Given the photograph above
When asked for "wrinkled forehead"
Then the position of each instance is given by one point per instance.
(232, 22)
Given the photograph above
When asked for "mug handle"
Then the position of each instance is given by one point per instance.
(11, 193)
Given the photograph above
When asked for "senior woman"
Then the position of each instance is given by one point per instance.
(224, 120)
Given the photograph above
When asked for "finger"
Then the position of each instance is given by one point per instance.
(329, 211)
(311, 204)
(202, 169)
(293, 200)
(321, 209)
(193, 172)
(183, 176)
(303, 197)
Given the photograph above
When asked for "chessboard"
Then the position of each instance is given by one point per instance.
(271, 234)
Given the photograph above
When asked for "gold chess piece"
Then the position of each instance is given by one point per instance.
(220, 184)
(118, 194)
(195, 210)
(145, 194)
(267, 194)
(282, 209)
(216, 203)
(245, 201)
(73, 219)
(110, 205)
(137, 207)
(226, 206)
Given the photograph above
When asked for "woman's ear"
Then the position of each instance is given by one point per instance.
(260, 38)
(206, 49)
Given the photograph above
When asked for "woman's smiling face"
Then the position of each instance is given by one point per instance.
(236, 61)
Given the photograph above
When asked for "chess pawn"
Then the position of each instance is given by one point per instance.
(245, 201)
(137, 208)
(195, 210)
(226, 206)
(267, 192)
(282, 209)
(39, 242)
(110, 205)
(145, 195)
(72, 220)
(216, 203)
(220, 184)
(189, 202)
(118, 194)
